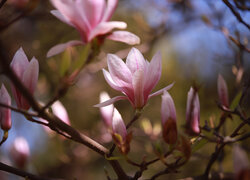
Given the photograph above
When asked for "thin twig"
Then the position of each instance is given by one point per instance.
(236, 14)
(21, 173)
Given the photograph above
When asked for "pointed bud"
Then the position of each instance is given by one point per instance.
(106, 111)
(59, 110)
(222, 91)
(193, 113)
(240, 163)
(5, 113)
(120, 135)
(168, 117)
(20, 152)
(27, 72)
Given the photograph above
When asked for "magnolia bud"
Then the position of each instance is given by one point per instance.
(193, 113)
(168, 117)
(5, 113)
(222, 91)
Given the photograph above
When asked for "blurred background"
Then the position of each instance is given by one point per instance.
(193, 38)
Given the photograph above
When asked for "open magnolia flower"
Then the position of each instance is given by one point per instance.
(91, 19)
(27, 72)
(136, 78)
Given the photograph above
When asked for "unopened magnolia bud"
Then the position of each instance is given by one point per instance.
(168, 117)
(193, 113)
(20, 152)
(222, 91)
(5, 113)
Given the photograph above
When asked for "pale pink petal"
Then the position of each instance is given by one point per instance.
(167, 108)
(110, 81)
(29, 79)
(125, 37)
(19, 62)
(111, 5)
(161, 90)
(59, 110)
(118, 124)
(107, 111)
(5, 113)
(119, 72)
(59, 15)
(110, 101)
(222, 91)
(135, 60)
(93, 10)
(61, 47)
(106, 27)
(138, 78)
(153, 74)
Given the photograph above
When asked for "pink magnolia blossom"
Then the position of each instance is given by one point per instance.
(20, 152)
(222, 91)
(193, 113)
(5, 113)
(91, 19)
(107, 111)
(168, 117)
(136, 78)
(27, 72)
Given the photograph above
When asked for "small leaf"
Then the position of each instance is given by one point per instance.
(236, 100)
(113, 158)
(82, 58)
(65, 62)
(199, 144)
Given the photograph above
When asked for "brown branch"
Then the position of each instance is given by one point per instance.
(235, 13)
(21, 173)
(54, 121)
(2, 3)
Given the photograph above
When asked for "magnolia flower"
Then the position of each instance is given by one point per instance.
(107, 111)
(136, 78)
(119, 133)
(27, 73)
(168, 117)
(193, 113)
(5, 113)
(91, 19)
(20, 152)
(222, 91)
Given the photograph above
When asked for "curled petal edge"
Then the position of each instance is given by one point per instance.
(161, 90)
(61, 47)
(110, 101)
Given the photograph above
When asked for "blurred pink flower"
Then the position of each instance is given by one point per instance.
(20, 152)
(107, 111)
(91, 19)
(135, 79)
(5, 113)
(193, 113)
(28, 75)
(222, 91)
(168, 117)
(59, 110)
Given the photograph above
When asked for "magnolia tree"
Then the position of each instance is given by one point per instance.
(171, 146)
